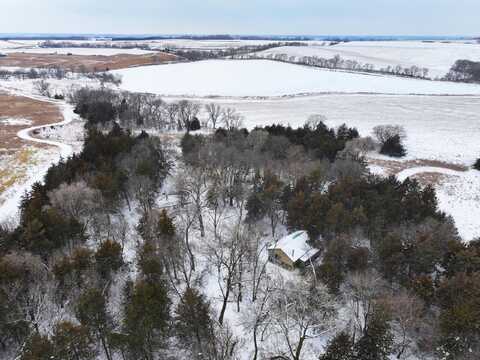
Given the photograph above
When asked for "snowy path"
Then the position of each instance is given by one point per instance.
(13, 196)
(65, 150)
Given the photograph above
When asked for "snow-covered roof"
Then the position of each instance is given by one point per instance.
(295, 246)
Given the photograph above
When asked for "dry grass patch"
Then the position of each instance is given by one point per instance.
(18, 107)
(16, 157)
(85, 62)
(14, 168)
(393, 167)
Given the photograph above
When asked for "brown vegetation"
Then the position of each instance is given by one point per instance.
(427, 178)
(15, 155)
(18, 107)
(394, 167)
(84, 62)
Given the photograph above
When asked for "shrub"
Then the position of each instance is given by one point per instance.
(393, 147)
(476, 166)
(194, 124)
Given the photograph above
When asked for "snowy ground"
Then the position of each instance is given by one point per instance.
(269, 78)
(204, 44)
(458, 195)
(63, 86)
(444, 128)
(438, 57)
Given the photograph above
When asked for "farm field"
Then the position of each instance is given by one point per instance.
(438, 127)
(78, 51)
(18, 157)
(26, 126)
(267, 78)
(438, 57)
(88, 62)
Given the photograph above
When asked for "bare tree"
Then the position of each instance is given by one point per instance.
(315, 120)
(257, 261)
(301, 312)
(225, 343)
(186, 217)
(214, 112)
(172, 114)
(258, 316)
(75, 200)
(383, 133)
(407, 310)
(192, 187)
(257, 139)
(231, 119)
(225, 252)
(362, 291)
(187, 111)
(42, 87)
(216, 206)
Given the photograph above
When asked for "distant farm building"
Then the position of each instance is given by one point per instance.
(293, 251)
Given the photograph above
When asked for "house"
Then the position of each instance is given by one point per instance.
(293, 251)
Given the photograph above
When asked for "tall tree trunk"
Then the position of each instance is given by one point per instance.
(190, 253)
(239, 287)
(225, 299)
(255, 342)
(299, 347)
(200, 223)
(105, 348)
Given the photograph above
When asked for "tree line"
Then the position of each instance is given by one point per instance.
(338, 63)
(464, 71)
(103, 107)
(196, 55)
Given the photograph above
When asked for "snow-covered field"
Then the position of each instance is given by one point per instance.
(64, 86)
(204, 44)
(444, 128)
(269, 78)
(438, 57)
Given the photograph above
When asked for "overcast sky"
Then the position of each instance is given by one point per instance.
(314, 17)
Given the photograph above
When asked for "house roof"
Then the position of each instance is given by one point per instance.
(295, 246)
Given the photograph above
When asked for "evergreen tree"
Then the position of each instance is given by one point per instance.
(166, 227)
(149, 262)
(393, 147)
(91, 311)
(192, 322)
(108, 258)
(146, 317)
(377, 340)
(476, 166)
(73, 342)
(339, 348)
